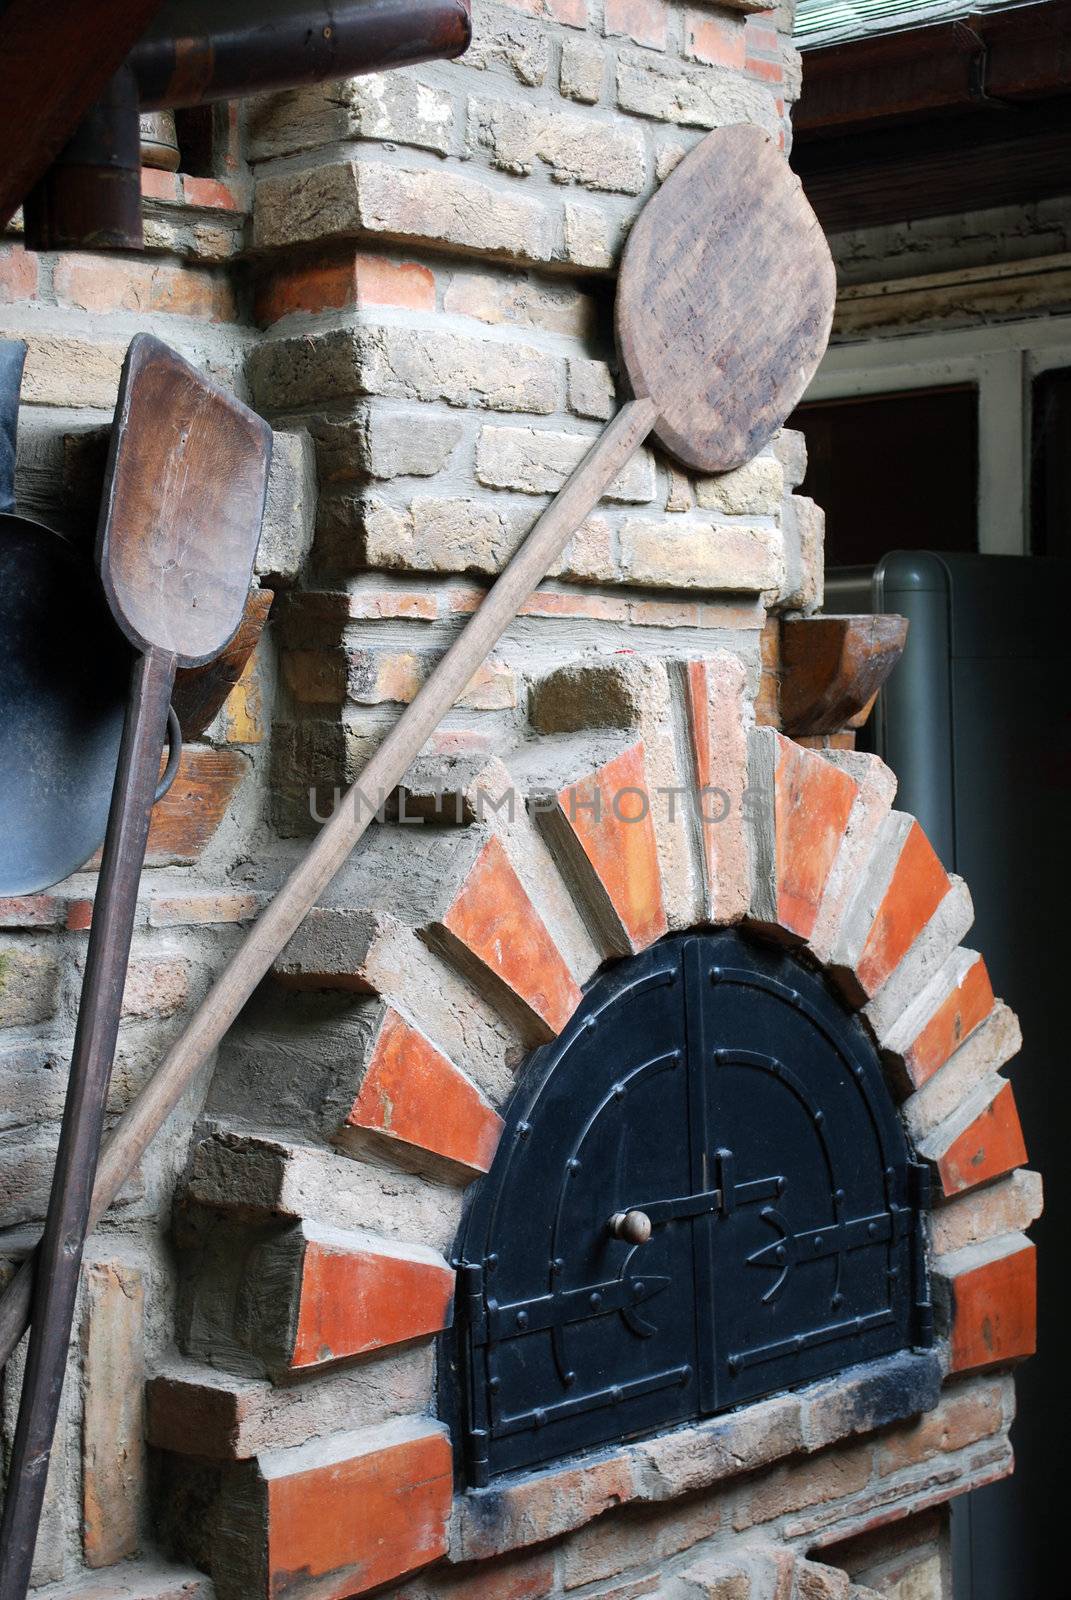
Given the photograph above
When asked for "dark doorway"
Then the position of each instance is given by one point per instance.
(893, 471)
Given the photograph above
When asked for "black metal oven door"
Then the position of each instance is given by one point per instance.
(703, 1194)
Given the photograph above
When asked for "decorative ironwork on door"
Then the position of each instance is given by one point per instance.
(703, 1194)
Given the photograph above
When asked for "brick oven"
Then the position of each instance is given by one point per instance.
(613, 1191)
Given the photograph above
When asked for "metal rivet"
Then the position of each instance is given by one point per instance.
(523, 1129)
(839, 1197)
(819, 1116)
(780, 1253)
(818, 1241)
(637, 1287)
(491, 1262)
(619, 1091)
(558, 1263)
(539, 1417)
(494, 1384)
(573, 1164)
(872, 1229)
(522, 1319)
(595, 1298)
(569, 1379)
(838, 1299)
(615, 1394)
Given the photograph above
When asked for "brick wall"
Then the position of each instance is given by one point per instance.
(412, 277)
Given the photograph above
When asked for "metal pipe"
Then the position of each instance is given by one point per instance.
(200, 50)
(90, 197)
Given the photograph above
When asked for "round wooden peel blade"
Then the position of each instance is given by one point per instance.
(725, 300)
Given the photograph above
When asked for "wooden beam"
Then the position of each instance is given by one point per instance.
(57, 60)
(833, 667)
(975, 63)
(948, 164)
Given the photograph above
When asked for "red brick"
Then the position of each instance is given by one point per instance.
(572, 13)
(338, 285)
(716, 40)
(960, 1420)
(355, 1297)
(637, 1537)
(918, 885)
(762, 37)
(79, 916)
(540, 1506)
(156, 184)
(341, 1528)
(102, 284)
(494, 922)
(812, 803)
(609, 815)
(805, 1483)
(208, 194)
(994, 1302)
(524, 1577)
(991, 1145)
(18, 274)
(765, 71)
(32, 911)
(413, 1096)
(955, 1018)
(156, 986)
(643, 21)
(714, 693)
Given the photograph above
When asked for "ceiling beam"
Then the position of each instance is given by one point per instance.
(979, 62)
(949, 164)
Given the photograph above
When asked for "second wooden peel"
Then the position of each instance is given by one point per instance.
(724, 305)
(179, 527)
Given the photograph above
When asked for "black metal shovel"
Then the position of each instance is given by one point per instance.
(179, 526)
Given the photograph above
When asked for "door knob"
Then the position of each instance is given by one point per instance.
(632, 1226)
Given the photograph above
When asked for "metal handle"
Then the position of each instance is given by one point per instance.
(632, 1226)
(174, 755)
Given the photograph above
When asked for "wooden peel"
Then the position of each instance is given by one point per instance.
(180, 521)
(724, 306)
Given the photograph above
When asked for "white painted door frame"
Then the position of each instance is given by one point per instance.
(1001, 360)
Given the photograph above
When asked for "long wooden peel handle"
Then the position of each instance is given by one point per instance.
(280, 920)
(67, 1223)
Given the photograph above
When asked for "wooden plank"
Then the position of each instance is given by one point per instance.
(57, 62)
(832, 668)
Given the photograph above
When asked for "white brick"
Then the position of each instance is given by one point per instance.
(597, 154)
(538, 462)
(583, 68)
(346, 199)
(405, 364)
(678, 553)
(701, 97)
(753, 490)
(591, 390)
